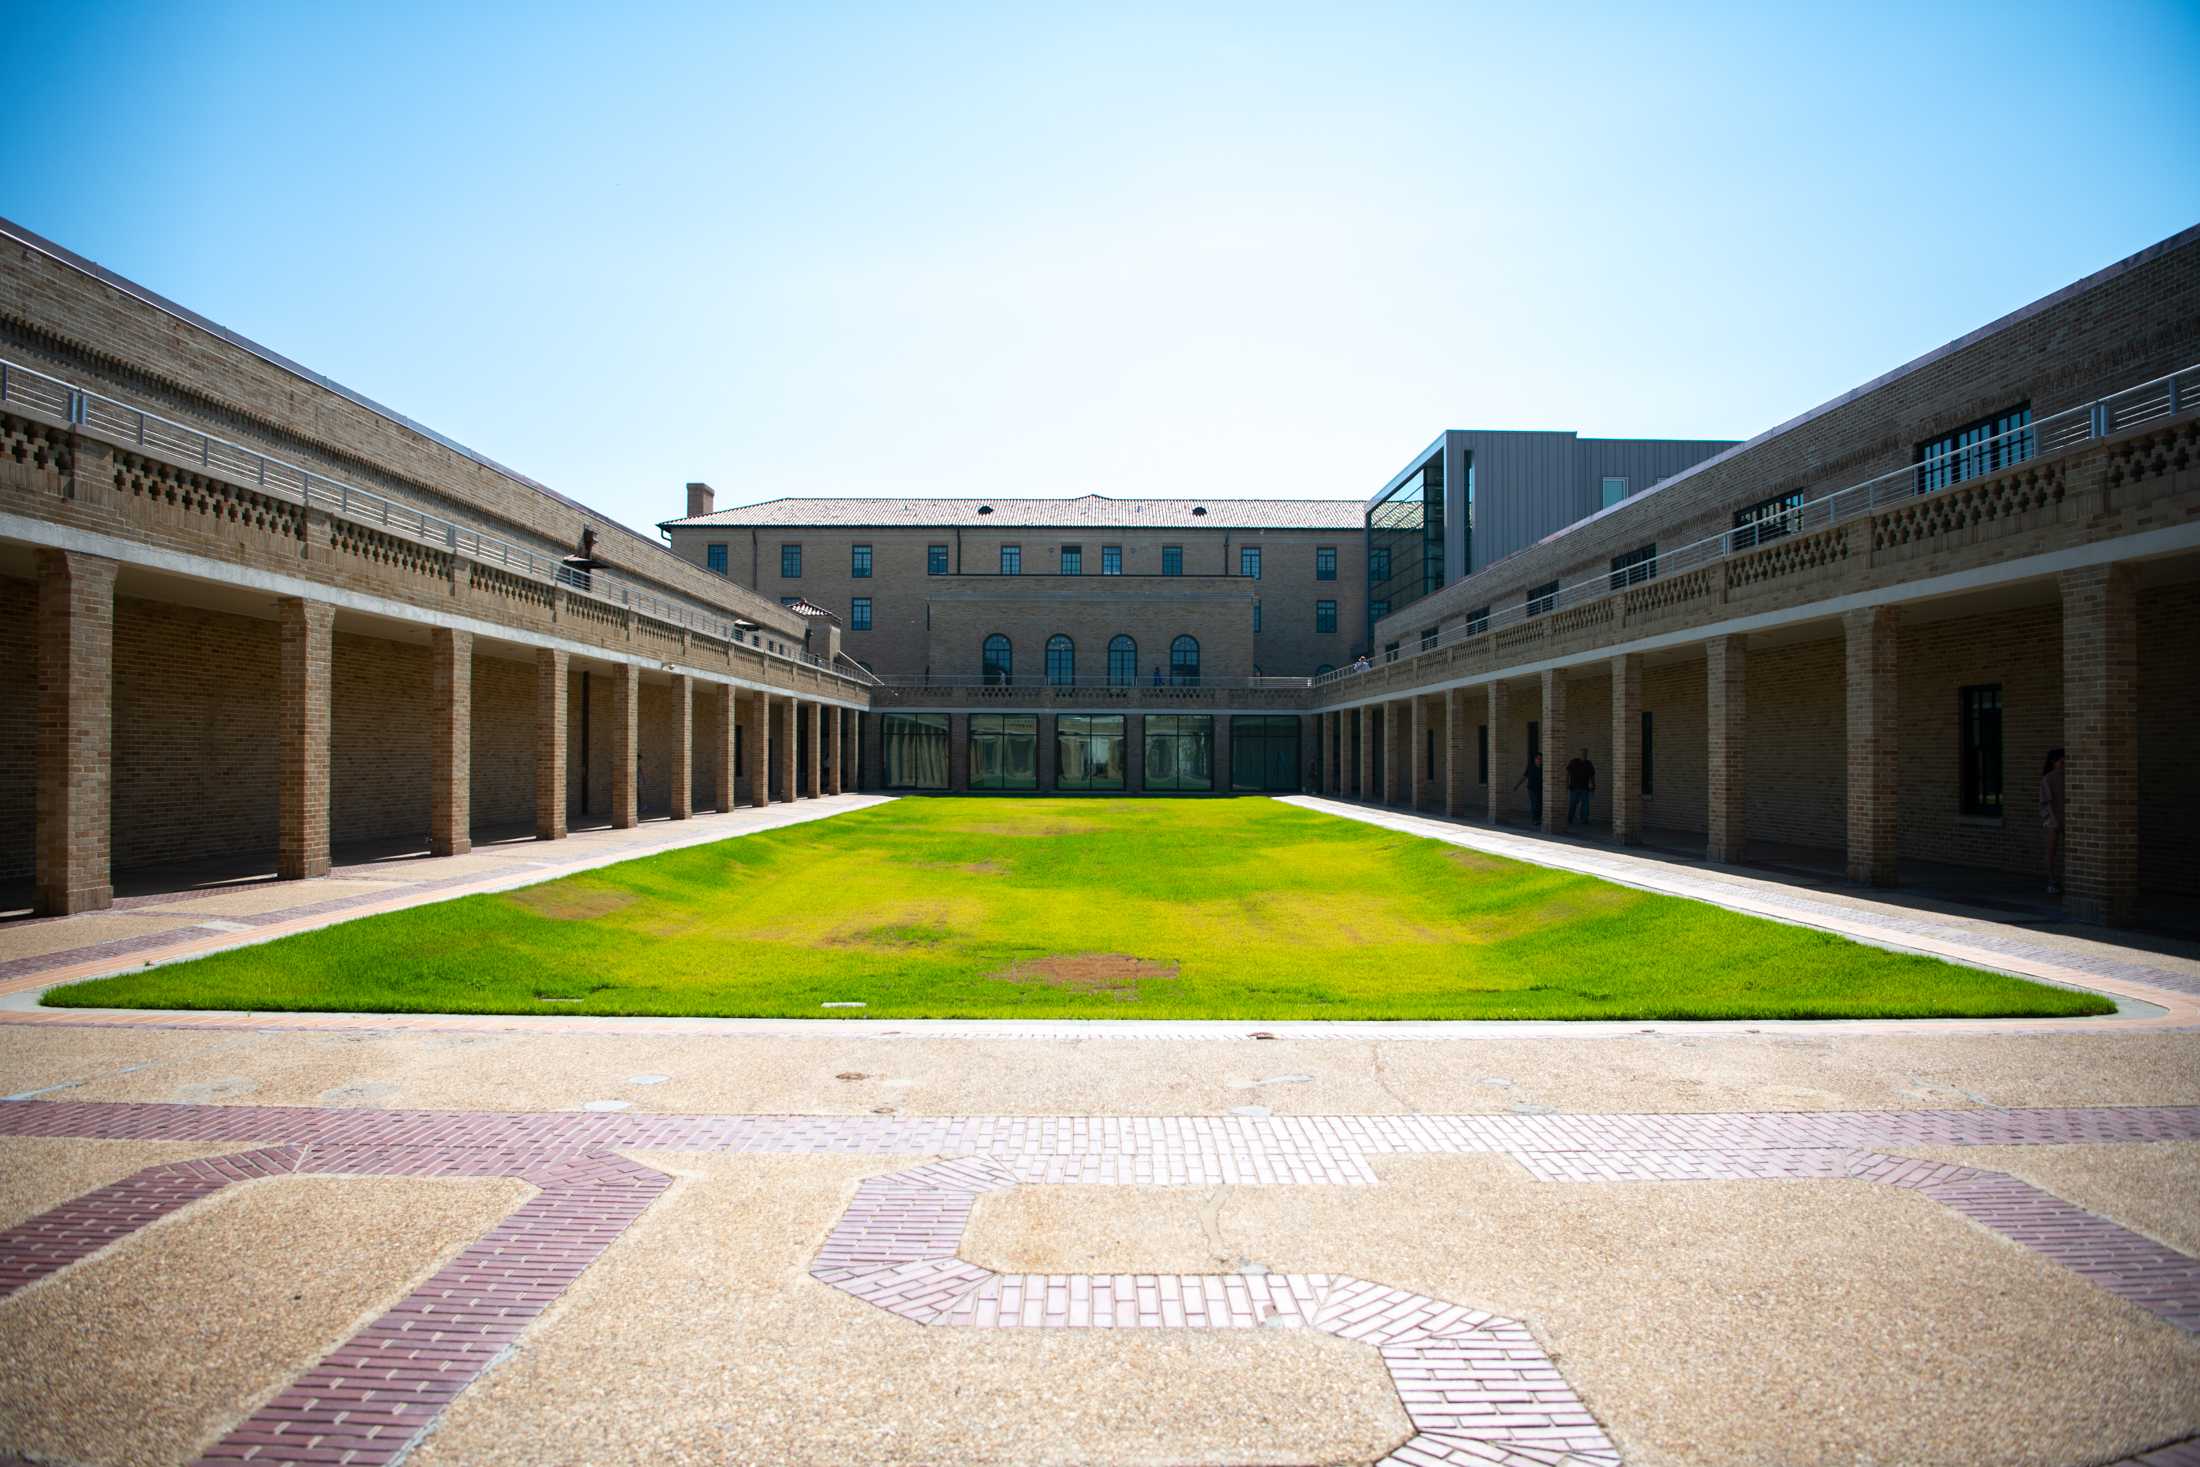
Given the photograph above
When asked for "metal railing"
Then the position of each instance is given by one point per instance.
(36, 394)
(2163, 397)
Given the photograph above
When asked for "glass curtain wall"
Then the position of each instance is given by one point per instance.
(1264, 752)
(1088, 751)
(1004, 751)
(1180, 751)
(915, 750)
(1405, 539)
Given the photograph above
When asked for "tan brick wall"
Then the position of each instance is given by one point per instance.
(1796, 754)
(18, 729)
(381, 697)
(1153, 611)
(503, 781)
(197, 736)
(2169, 739)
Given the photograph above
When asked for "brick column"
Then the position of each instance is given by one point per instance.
(1501, 775)
(1726, 825)
(75, 637)
(550, 696)
(1134, 753)
(2101, 743)
(1626, 785)
(723, 763)
(1365, 786)
(756, 732)
(626, 795)
(683, 746)
(836, 739)
(958, 753)
(1874, 783)
(308, 639)
(784, 740)
(813, 744)
(1396, 717)
(1416, 731)
(1556, 752)
(1458, 753)
(451, 742)
(851, 751)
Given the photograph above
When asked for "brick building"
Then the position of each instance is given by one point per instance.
(244, 610)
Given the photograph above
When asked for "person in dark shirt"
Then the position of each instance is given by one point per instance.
(1533, 779)
(1581, 783)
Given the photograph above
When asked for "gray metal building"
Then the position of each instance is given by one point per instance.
(1475, 496)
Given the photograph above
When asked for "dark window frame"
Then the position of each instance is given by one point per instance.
(1172, 560)
(790, 555)
(935, 560)
(1325, 616)
(1063, 650)
(1542, 598)
(1183, 668)
(1000, 729)
(1012, 560)
(1123, 654)
(1072, 560)
(1769, 519)
(1478, 621)
(1325, 562)
(714, 557)
(859, 614)
(1987, 446)
(1001, 671)
(859, 562)
(1249, 561)
(1111, 560)
(1981, 768)
(1091, 728)
(1634, 567)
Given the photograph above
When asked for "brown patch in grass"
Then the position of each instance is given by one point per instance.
(571, 903)
(1113, 973)
(975, 868)
(1054, 827)
(1475, 860)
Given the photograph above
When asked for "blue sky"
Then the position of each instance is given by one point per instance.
(1037, 250)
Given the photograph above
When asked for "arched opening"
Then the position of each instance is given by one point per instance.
(1184, 661)
(997, 663)
(1122, 661)
(1061, 661)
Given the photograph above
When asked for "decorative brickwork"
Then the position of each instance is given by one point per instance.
(307, 644)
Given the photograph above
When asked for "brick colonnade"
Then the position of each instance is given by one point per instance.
(73, 639)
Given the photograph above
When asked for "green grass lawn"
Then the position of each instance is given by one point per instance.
(1097, 909)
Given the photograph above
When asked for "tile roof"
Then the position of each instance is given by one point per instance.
(1097, 510)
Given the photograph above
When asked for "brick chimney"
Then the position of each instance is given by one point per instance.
(701, 499)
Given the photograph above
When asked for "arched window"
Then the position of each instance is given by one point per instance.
(1061, 661)
(1325, 667)
(998, 664)
(1184, 661)
(1122, 661)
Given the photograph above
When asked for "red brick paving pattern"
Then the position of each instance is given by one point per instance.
(1477, 1387)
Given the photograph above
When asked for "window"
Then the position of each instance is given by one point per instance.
(1325, 667)
(1325, 562)
(1256, 616)
(1122, 661)
(859, 562)
(859, 614)
(1378, 563)
(1768, 520)
(1478, 621)
(1088, 751)
(1981, 733)
(1325, 616)
(1004, 751)
(1061, 662)
(1390, 652)
(1977, 448)
(1377, 610)
(1172, 560)
(1012, 560)
(913, 750)
(935, 560)
(1184, 661)
(714, 558)
(1648, 748)
(1073, 560)
(997, 663)
(1482, 753)
(1543, 598)
(1111, 560)
(1635, 567)
(1428, 638)
(789, 600)
(1614, 491)
(1249, 561)
(790, 562)
(1180, 751)
(1264, 752)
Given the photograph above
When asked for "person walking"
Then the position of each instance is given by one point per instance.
(1533, 779)
(1581, 783)
(2051, 814)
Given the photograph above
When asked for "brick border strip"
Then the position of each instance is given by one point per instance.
(371, 1398)
(1475, 1386)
